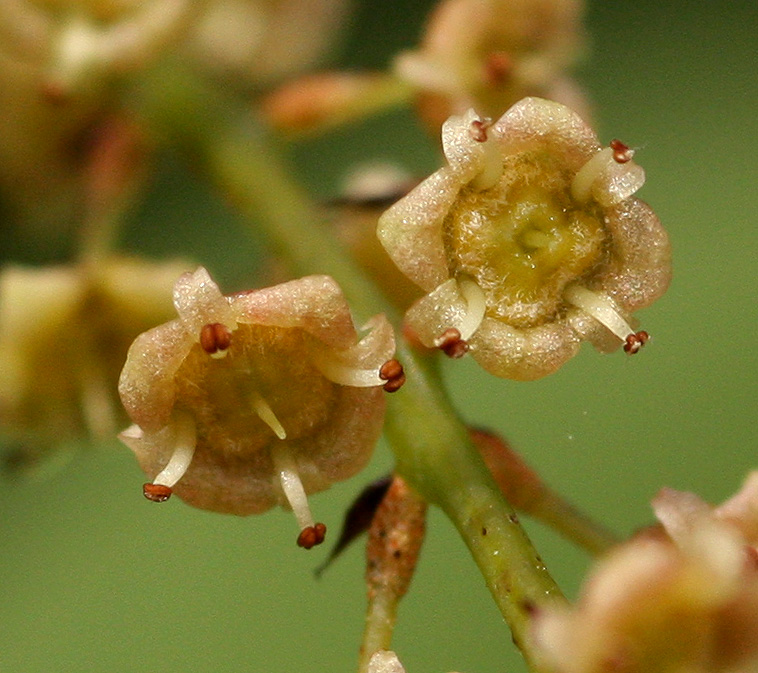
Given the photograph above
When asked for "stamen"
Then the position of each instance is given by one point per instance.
(185, 438)
(267, 415)
(337, 371)
(477, 304)
(602, 309)
(451, 344)
(311, 533)
(581, 185)
(215, 339)
(622, 153)
(492, 161)
(392, 372)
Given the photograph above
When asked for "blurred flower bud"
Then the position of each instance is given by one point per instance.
(528, 242)
(488, 54)
(255, 399)
(64, 333)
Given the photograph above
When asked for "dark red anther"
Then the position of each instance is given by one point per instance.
(451, 344)
(621, 152)
(392, 372)
(311, 536)
(478, 129)
(215, 338)
(157, 492)
(635, 341)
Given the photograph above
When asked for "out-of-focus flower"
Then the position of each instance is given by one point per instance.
(256, 399)
(64, 334)
(488, 54)
(682, 599)
(528, 242)
(79, 44)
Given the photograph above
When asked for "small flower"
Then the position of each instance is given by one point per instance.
(255, 399)
(528, 242)
(488, 54)
(685, 599)
(64, 334)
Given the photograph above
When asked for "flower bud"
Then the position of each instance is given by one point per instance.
(255, 399)
(528, 242)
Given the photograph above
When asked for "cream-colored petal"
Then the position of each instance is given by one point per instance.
(523, 354)
(411, 230)
(536, 123)
(314, 304)
(198, 301)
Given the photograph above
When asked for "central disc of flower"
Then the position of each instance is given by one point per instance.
(523, 244)
(248, 400)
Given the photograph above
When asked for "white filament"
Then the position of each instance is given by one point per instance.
(492, 167)
(267, 415)
(289, 478)
(477, 304)
(581, 185)
(345, 375)
(600, 308)
(185, 439)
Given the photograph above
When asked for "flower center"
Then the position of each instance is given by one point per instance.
(523, 244)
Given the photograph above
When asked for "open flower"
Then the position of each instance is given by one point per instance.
(528, 242)
(256, 399)
(683, 600)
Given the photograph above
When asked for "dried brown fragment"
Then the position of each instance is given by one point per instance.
(358, 518)
(392, 372)
(395, 538)
(636, 341)
(451, 344)
(622, 153)
(215, 338)
(157, 492)
(311, 536)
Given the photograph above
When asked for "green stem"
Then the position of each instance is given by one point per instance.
(433, 450)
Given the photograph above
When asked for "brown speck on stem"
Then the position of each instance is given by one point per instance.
(636, 341)
(621, 152)
(451, 344)
(479, 129)
(215, 338)
(311, 536)
(157, 492)
(498, 67)
(392, 372)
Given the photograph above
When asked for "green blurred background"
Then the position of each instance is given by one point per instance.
(95, 578)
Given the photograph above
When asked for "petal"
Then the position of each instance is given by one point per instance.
(411, 230)
(198, 301)
(523, 354)
(536, 123)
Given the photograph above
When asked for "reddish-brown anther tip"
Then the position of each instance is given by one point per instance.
(636, 341)
(215, 337)
(157, 492)
(392, 372)
(479, 130)
(311, 536)
(451, 344)
(621, 152)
